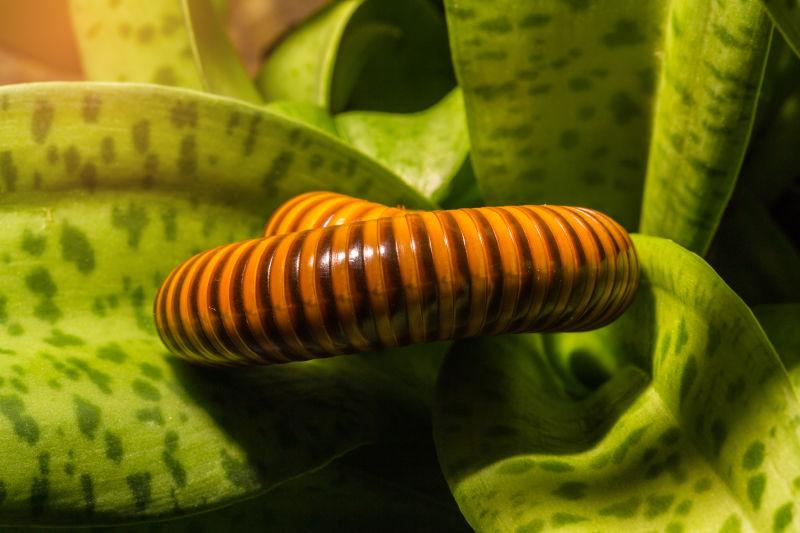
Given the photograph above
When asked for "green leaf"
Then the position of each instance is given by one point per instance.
(786, 14)
(301, 68)
(713, 67)
(219, 67)
(359, 492)
(561, 99)
(754, 255)
(363, 54)
(780, 324)
(176, 42)
(427, 148)
(688, 422)
(307, 113)
(98, 205)
(557, 95)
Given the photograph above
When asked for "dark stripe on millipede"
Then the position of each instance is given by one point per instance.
(241, 326)
(166, 330)
(526, 273)
(359, 291)
(621, 271)
(216, 320)
(181, 332)
(326, 298)
(393, 281)
(264, 300)
(294, 298)
(494, 298)
(194, 311)
(428, 283)
(579, 277)
(555, 281)
(603, 272)
(462, 280)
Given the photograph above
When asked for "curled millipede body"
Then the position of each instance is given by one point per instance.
(326, 281)
(320, 209)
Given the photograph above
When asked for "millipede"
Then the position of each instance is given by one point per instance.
(333, 275)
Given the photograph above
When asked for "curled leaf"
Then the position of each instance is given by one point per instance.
(708, 442)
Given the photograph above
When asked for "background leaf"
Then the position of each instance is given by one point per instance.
(98, 206)
(427, 148)
(786, 14)
(176, 42)
(780, 324)
(709, 443)
(561, 99)
(714, 62)
(364, 54)
(755, 256)
(558, 95)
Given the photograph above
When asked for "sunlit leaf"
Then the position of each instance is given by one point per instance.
(558, 97)
(714, 61)
(688, 422)
(427, 148)
(305, 112)
(301, 68)
(171, 42)
(98, 423)
(363, 54)
(561, 97)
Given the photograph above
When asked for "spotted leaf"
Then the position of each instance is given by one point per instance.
(563, 97)
(714, 57)
(102, 424)
(677, 417)
(174, 42)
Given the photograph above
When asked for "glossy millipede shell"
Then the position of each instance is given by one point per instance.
(326, 282)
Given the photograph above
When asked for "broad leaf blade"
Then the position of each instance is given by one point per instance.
(558, 97)
(427, 148)
(98, 206)
(714, 59)
(710, 443)
(174, 42)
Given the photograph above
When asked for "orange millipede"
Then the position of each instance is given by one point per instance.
(336, 275)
